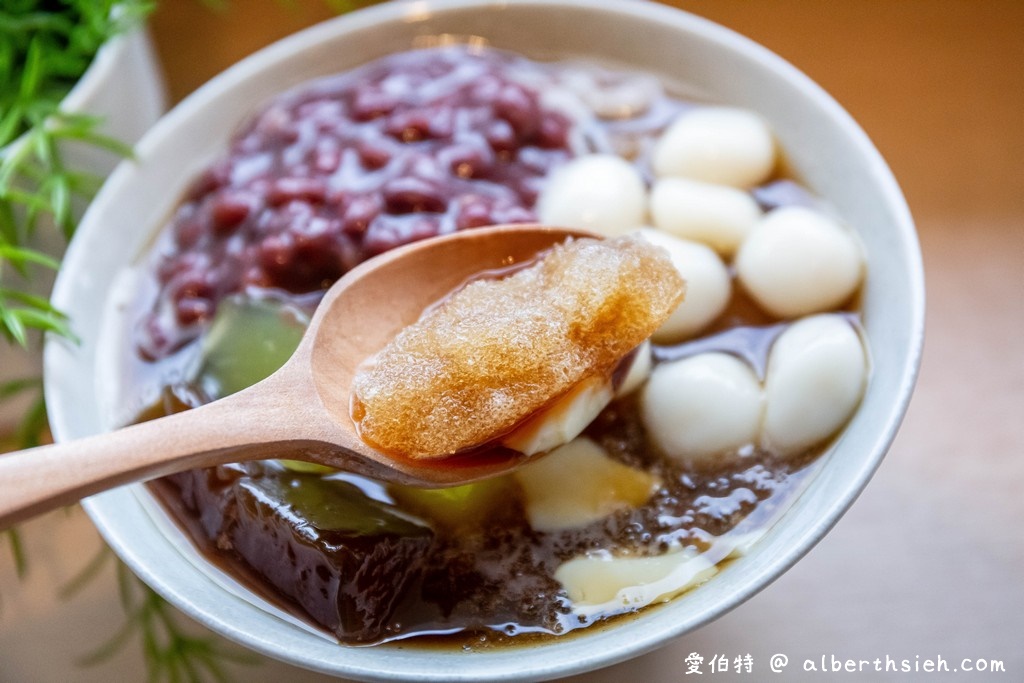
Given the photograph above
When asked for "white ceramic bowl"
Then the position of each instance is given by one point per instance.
(825, 146)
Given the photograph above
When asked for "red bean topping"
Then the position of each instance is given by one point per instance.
(229, 210)
(210, 180)
(502, 138)
(155, 338)
(554, 132)
(360, 213)
(510, 214)
(256, 277)
(188, 232)
(474, 212)
(393, 231)
(441, 122)
(326, 158)
(469, 161)
(276, 127)
(370, 103)
(189, 261)
(192, 284)
(373, 155)
(303, 189)
(514, 105)
(408, 126)
(191, 310)
(407, 147)
(408, 195)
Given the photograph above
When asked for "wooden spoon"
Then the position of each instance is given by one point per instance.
(300, 412)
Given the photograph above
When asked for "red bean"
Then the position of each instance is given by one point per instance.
(188, 232)
(276, 253)
(408, 126)
(256, 277)
(486, 88)
(388, 232)
(286, 189)
(370, 103)
(511, 214)
(210, 180)
(229, 210)
(409, 194)
(514, 105)
(359, 214)
(326, 158)
(276, 127)
(155, 341)
(441, 122)
(173, 265)
(554, 131)
(501, 137)
(468, 161)
(192, 284)
(373, 155)
(191, 310)
(473, 213)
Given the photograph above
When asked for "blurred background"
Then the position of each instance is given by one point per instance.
(927, 563)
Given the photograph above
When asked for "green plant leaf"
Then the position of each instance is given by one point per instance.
(171, 652)
(12, 326)
(14, 387)
(33, 425)
(13, 537)
(31, 69)
(22, 256)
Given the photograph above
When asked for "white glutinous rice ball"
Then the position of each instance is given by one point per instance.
(799, 261)
(639, 371)
(701, 409)
(724, 145)
(599, 192)
(716, 215)
(817, 370)
(708, 286)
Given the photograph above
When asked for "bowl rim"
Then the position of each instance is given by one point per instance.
(568, 656)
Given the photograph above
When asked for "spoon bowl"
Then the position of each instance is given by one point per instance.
(301, 412)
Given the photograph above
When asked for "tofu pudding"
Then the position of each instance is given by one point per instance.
(697, 443)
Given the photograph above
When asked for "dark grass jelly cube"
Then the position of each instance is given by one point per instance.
(349, 558)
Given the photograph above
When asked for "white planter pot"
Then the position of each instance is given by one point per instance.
(124, 86)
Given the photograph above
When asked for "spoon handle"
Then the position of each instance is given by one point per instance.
(40, 479)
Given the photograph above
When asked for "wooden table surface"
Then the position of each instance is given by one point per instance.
(928, 563)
